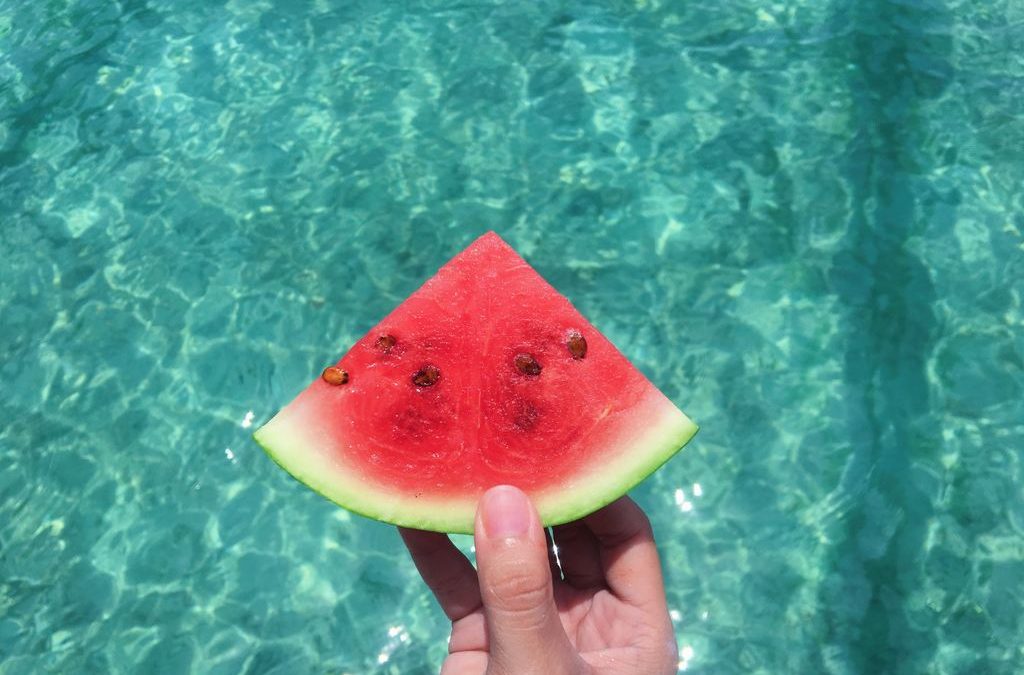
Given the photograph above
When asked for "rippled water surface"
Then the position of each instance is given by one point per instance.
(802, 220)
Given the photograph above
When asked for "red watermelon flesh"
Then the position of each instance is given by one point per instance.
(479, 378)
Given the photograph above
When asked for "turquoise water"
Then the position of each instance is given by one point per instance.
(802, 220)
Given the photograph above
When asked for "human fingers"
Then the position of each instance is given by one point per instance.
(524, 631)
(469, 634)
(579, 555)
(447, 572)
(628, 555)
(465, 663)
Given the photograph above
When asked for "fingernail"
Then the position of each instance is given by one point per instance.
(506, 513)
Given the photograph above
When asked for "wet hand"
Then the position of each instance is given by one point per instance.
(602, 613)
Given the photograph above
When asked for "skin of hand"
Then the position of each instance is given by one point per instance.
(602, 613)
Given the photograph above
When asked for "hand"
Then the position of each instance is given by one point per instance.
(602, 613)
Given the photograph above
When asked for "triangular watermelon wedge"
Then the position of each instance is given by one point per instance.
(486, 375)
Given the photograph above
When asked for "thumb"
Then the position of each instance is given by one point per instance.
(523, 629)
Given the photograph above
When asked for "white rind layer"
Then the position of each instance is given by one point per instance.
(645, 436)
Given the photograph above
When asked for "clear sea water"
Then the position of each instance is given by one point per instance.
(803, 220)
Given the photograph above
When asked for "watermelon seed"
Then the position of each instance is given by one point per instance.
(426, 376)
(526, 417)
(577, 345)
(335, 376)
(527, 365)
(385, 343)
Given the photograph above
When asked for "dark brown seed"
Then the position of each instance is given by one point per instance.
(335, 376)
(525, 417)
(385, 343)
(426, 376)
(527, 365)
(577, 344)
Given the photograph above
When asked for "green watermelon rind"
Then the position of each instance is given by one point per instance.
(291, 442)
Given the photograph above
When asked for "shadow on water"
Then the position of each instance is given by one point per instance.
(898, 56)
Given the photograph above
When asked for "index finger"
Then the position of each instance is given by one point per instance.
(447, 572)
(628, 554)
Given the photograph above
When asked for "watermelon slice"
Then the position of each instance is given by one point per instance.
(486, 375)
